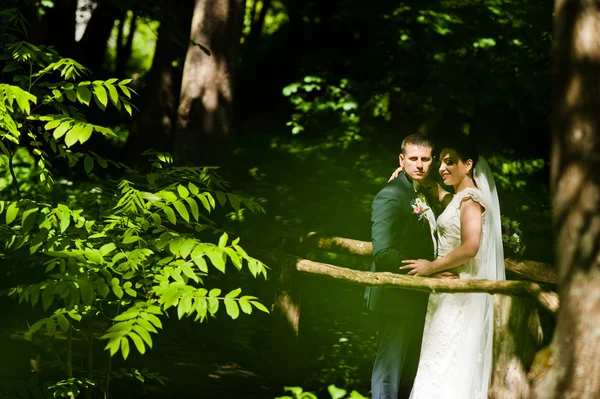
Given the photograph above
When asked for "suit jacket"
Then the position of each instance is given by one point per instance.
(397, 235)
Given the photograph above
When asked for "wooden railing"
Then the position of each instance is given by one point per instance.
(530, 286)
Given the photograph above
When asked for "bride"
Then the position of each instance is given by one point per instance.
(456, 355)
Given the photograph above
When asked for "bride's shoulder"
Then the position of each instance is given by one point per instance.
(469, 193)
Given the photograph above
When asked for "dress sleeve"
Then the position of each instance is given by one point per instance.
(471, 194)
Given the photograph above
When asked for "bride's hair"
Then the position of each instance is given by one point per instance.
(465, 148)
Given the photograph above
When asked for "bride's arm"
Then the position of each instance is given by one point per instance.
(470, 233)
(438, 192)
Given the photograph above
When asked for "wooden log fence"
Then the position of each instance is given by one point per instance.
(519, 330)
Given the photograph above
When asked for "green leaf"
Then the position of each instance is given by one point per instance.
(336, 393)
(107, 248)
(124, 347)
(11, 212)
(61, 130)
(139, 344)
(182, 210)
(187, 270)
(234, 200)
(118, 291)
(86, 290)
(184, 305)
(245, 306)
(130, 239)
(29, 218)
(183, 192)
(93, 255)
(216, 259)
(193, 189)
(88, 164)
(200, 262)
(50, 327)
(63, 322)
(72, 136)
(127, 315)
(221, 197)
(64, 217)
(186, 248)
(193, 207)
(205, 203)
(213, 305)
(103, 288)
(144, 334)
(234, 293)
(170, 214)
(152, 319)
(101, 95)
(52, 124)
(112, 92)
(223, 240)
(48, 296)
(83, 95)
(145, 324)
(260, 306)
(36, 326)
(232, 308)
(113, 346)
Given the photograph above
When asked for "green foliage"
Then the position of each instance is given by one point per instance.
(120, 253)
(511, 238)
(319, 105)
(334, 392)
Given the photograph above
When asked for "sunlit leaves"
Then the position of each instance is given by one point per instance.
(135, 252)
(11, 95)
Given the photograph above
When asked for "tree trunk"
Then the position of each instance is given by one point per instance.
(91, 49)
(518, 335)
(153, 127)
(124, 49)
(257, 26)
(575, 189)
(204, 116)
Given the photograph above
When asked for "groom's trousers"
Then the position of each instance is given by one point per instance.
(397, 356)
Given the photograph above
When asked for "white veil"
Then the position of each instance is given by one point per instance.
(490, 258)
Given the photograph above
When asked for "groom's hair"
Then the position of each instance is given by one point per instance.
(417, 140)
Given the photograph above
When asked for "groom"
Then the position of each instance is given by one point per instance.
(399, 232)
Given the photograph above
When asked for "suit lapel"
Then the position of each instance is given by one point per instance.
(407, 184)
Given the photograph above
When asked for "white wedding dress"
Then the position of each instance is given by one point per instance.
(456, 355)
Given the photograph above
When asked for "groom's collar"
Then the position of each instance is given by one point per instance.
(409, 182)
(405, 180)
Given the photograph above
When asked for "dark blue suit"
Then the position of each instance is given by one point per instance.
(397, 234)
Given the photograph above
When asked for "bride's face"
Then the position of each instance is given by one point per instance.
(452, 169)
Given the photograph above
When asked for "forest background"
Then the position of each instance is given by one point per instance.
(302, 105)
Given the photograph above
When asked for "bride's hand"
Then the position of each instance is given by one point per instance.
(419, 267)
(396, 173)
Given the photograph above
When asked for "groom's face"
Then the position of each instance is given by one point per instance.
(416, 161)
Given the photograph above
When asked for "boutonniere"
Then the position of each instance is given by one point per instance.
(419, 206)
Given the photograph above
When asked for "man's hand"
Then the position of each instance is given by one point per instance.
(418, 267)
(445, 276)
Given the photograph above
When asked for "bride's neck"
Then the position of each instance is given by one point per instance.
(467, 182)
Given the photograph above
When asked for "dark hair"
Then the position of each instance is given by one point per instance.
(464, 146)
(417, 140)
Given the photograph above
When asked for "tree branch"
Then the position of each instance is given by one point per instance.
(516, 269)
(540, 293)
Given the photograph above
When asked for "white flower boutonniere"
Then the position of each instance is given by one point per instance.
(419, 207)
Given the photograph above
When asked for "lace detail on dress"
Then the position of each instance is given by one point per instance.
(451, 356)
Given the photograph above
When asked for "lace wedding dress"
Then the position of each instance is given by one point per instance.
(456, 356)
